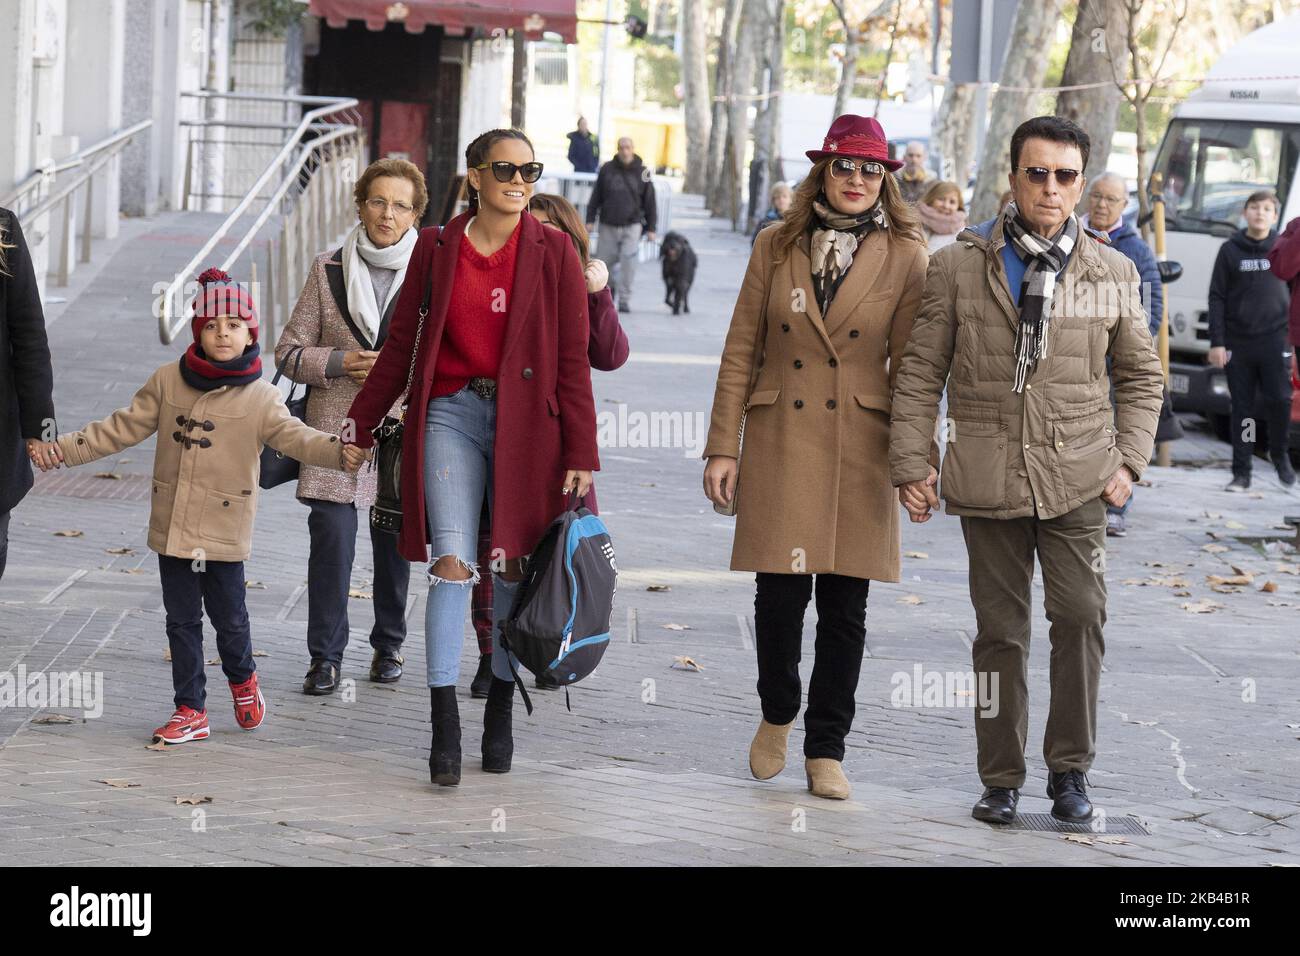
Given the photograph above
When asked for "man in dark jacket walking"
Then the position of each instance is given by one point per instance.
(26, 378)
(584, 148)
(1106, 199)
(1249, 308)
(623, 202)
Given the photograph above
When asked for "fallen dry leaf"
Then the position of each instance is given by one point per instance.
(156, 745)
(1182, 594)
(354, 593)
(1161, 581)
(1227, 589)
(658, 587)
(261, 654)
(1203, 606)
(119, 782)
(1234, 525)
(1283, 568)
(1077, 838)
(915, 554)
(53, 719)
(110, 475)
(130, 570)
(677, 627)
(70, 533)
(211, 661)
(1212, 515)
(1118, 840)
(1215, 548)
(255, 585)
(1268, 587)
(192, 801)
(1233, 579)
(167, 653)
(119, 550)
(685, 663)
(911, 599)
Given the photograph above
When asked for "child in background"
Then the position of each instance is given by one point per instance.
(942, 213)
(213, 412)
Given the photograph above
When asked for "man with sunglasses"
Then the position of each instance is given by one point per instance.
(1020, 319)
(623, 202)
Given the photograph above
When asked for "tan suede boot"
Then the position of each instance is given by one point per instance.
(767, 752)
(826, 778)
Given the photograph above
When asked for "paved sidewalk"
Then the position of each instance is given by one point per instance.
(1197, 727)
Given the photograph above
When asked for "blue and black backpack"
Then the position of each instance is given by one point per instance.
(559, 623)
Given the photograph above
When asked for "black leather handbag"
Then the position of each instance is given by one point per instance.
(386, 512)
(276, 468)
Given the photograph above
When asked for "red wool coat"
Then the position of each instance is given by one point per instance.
(546, 416)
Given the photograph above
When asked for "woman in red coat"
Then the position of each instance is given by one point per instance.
(500, 404)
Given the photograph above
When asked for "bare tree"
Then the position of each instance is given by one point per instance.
(765, 168)
(1022, 71)
(748, 38)
(695, 87)
(954, 131)
(1098, 51)
(715, 196)
(849, 65)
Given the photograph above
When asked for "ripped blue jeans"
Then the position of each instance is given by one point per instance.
(458, 436)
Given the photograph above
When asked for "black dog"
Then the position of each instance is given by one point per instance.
(678, 270)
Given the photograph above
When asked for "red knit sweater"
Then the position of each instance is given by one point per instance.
(476, 316)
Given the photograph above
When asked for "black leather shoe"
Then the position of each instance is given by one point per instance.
(998, 805)
(321, 679)
(482, 682)
(546, 682)
(498, 739)
(386, 667)
(444, 748)
(1069, 793)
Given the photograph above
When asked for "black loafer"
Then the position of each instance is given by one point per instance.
(998, 805)
(1069, 793)
(386, 667)
(321, 679)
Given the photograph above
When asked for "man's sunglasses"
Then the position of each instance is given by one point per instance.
(1038, 175)
(504, 172)
(845, 168)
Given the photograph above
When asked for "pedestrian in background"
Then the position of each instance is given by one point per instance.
(1107, 197)
(808, 370)
(330, 343)
(584, 148)
(915, 177)
(1284, 261)
(26, 377)
(1250, 340)
(942, 213)
(779, 198)
(623, 203)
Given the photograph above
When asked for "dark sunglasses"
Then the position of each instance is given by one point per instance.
(504, 172)
(1038, 175)
(845, 168)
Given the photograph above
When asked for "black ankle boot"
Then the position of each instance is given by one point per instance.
(482, 681)
(444, 749)
(498, 741)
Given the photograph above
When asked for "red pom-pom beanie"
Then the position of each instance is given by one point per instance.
(221, 295)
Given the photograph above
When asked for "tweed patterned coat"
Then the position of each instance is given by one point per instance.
(321, 323)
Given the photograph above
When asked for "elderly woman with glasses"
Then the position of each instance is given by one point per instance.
(331, 343)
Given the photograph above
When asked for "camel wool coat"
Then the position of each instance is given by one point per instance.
(814, 492)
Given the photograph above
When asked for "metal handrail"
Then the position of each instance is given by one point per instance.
(171, 317)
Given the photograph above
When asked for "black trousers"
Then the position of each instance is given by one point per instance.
(220, 590)
(1259, 378)
(779, 604)
(333, 529)
(4, 541)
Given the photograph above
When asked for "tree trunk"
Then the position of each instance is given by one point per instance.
(695, 86)
(848, 72)
(747, 42)
(954, 131)
(715, 197)
(1026, 65)
(1098, 54)
(767, 125)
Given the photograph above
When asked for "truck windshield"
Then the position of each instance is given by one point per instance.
(1210, 167)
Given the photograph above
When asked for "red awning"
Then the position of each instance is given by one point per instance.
(458, 16)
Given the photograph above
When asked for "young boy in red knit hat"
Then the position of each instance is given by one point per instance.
(213, 412)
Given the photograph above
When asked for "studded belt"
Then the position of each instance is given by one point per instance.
(484, 388)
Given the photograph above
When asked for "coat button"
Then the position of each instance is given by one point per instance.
(176, 435)
(798, 363)
(208, 426)
(225, 504)
(81, 441)
(334, 437)
(830, 403)
(798, 403)
(854, 333)
(180, 419)
(834, 364)
(528, 373)
(785, 326)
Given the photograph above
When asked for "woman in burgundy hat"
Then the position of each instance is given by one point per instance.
(808, 369)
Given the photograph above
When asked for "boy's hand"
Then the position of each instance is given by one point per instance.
(354, 457)
(44, 454)
(1217, 357)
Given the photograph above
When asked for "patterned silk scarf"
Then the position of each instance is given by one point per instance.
(1046, 258)
(835, 237)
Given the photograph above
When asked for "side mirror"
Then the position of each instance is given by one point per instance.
(1170, 271)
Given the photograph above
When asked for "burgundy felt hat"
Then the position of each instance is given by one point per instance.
(858, 136)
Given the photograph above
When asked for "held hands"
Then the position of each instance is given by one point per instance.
(358, 363)
(720, 479)
(44, 454)
(581, 480)
(1119, 488)
(1218, 356)
(353, 458)
(650, 236)
(918, 497)
(597, 275)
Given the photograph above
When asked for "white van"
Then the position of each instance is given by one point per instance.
(1235, 135)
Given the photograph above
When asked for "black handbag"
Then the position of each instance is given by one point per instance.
(386, 512)
(276, 468)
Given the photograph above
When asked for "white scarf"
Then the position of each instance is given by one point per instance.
(356, 277)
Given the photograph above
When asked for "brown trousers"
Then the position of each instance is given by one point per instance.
(1071, 550)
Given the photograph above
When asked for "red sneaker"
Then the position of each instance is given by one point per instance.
(185, 725)
(250, 705)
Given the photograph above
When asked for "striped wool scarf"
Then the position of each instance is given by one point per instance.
(1046, 258)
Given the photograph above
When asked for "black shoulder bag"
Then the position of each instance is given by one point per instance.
(278, 468)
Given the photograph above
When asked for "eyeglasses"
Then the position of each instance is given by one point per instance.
(504, 172)
(845, 168)
(399, 208)
(1108, 200)
(1038, 175)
